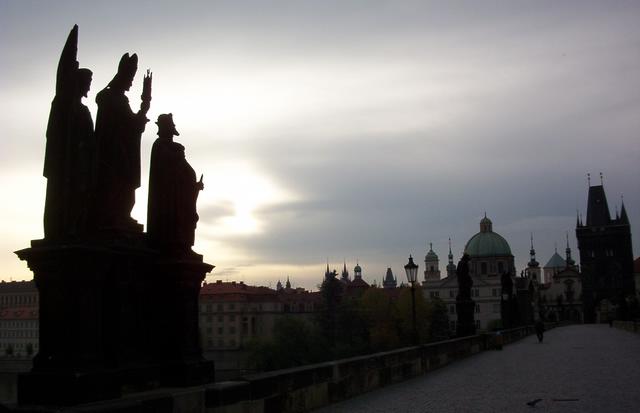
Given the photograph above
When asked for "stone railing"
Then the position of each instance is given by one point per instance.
(633, 326)
(309, 387)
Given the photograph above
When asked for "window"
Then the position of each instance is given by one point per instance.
(477, 324)
(483, 268)
(220, 331)
(232, 307)
(476, 292)
(500, 267)
(232, 318)
(494, 292)
(452, 309)
(452, 325)
(219, 308)
(477, 308)
(208, 308)
(451, 294)
(432, 268)
(232, 330)
(220, 318)
(496, 308)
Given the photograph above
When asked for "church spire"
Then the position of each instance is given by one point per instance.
(451, 267)
(345, 273)
(288, 284)
(567, 251)
(624, 219)
(532, 254)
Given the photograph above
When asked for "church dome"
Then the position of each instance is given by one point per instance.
(487, 243)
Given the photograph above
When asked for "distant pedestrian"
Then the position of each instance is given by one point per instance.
(539, 326)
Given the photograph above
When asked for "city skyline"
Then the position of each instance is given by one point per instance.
(350, 132)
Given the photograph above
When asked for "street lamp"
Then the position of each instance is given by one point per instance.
(412, 274)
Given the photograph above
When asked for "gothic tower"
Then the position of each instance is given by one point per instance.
(606, 255)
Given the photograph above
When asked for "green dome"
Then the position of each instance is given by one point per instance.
(487, 243)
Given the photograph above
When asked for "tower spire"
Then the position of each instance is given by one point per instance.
(532, 254)
(577, 218)
(624, 219)
(569, 260)
(589, 179)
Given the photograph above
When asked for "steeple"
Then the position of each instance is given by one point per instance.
(532, 254)
(569, 260)
(624, 219)
(577, 218)
(389, 280)
(451, 267)
(431, 265)
(345, 273)
(357, 271)
(279, 286)
(288, 284)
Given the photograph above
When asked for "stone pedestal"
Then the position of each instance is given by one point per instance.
(466, 325)
(114, 316)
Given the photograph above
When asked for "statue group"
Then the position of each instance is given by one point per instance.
(118, 306)
(92, 175)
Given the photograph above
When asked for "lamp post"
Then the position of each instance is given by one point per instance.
(412, 274)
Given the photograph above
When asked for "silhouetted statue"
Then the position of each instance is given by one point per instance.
(464, 279)
(173, 191)
(69, 156)
(507, 284)
(118, 133)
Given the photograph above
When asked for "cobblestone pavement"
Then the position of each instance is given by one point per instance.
(583, 368)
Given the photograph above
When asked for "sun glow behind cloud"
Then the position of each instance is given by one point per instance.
(236, 189)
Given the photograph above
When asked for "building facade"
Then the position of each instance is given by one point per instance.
(19, 332)
(490, 258)
(18, 294)
(232, 314)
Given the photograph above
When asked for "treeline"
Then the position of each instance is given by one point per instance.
(347, 326)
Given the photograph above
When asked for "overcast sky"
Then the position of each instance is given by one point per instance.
(347, 130)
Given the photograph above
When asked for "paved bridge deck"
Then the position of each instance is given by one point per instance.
(582, 368)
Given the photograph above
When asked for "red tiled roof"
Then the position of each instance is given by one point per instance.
(240, 292)
(220, 287)
(19, 313)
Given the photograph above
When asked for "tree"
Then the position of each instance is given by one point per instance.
(331, 293)
(405, 316)
(438, 320)
(381, 318)
(295, 343)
